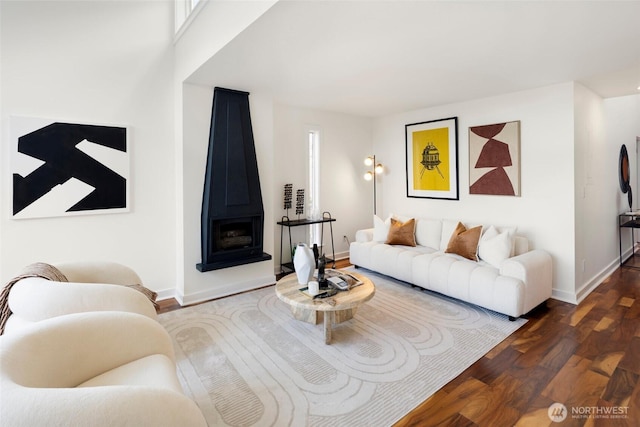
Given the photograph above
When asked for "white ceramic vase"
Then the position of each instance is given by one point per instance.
(304, 263)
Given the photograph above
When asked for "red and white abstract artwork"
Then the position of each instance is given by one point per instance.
(494, 159)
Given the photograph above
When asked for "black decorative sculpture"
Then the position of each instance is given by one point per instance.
(300, 201)
(625, 175)
(288, 195)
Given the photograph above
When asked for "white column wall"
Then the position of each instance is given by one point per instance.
(595, 194)
(217, 23)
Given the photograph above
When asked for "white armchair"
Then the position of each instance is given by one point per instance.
(92, 286)
(92, 369)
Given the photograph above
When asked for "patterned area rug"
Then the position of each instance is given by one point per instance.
(247, 362)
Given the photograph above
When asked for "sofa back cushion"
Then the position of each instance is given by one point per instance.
(429, 233)
(436, 233)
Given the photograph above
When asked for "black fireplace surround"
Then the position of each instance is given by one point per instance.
(232, 221)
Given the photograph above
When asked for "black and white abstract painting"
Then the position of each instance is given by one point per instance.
(62, 168)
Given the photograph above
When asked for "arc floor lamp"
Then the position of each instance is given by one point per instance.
(370, 175)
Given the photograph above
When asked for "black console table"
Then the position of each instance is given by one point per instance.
(288, 223)
(629, 220)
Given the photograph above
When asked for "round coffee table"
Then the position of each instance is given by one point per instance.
(335, 309)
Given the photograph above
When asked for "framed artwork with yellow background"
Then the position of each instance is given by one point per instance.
(432, 159)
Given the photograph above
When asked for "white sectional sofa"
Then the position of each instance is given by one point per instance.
(506, 276)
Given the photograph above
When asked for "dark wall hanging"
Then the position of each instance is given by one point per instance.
(625, 174)
(62, 169)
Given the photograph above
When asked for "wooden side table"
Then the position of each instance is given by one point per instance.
(335, 309)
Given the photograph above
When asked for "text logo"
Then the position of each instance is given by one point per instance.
(557, 412)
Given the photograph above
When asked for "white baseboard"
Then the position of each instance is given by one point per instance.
(590, 285)
(166, 294)
(564, 296)
(342, 255)
(224, 291)
(596, 280)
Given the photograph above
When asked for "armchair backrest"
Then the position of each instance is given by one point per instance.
(99, 272)
(65, 351)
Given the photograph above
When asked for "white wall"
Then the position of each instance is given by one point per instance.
(344, 143)
(545, 211)
(96, 63)
(596, 194)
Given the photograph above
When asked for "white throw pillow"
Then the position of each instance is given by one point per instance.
(380, 228)
(496, 246)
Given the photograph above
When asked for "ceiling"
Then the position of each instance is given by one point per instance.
(375, 58)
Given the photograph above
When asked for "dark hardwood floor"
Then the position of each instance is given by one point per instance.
(586, 357)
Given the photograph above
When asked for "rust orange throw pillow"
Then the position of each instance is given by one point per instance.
(402, 233)
(464, 242)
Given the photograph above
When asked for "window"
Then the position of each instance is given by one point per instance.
(185, 12)
(313, 207)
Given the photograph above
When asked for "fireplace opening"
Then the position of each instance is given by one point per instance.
(233, 234)
(233, 241)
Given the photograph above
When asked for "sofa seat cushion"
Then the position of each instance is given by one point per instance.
(155, 370)
(395, 260)
(468, 281)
